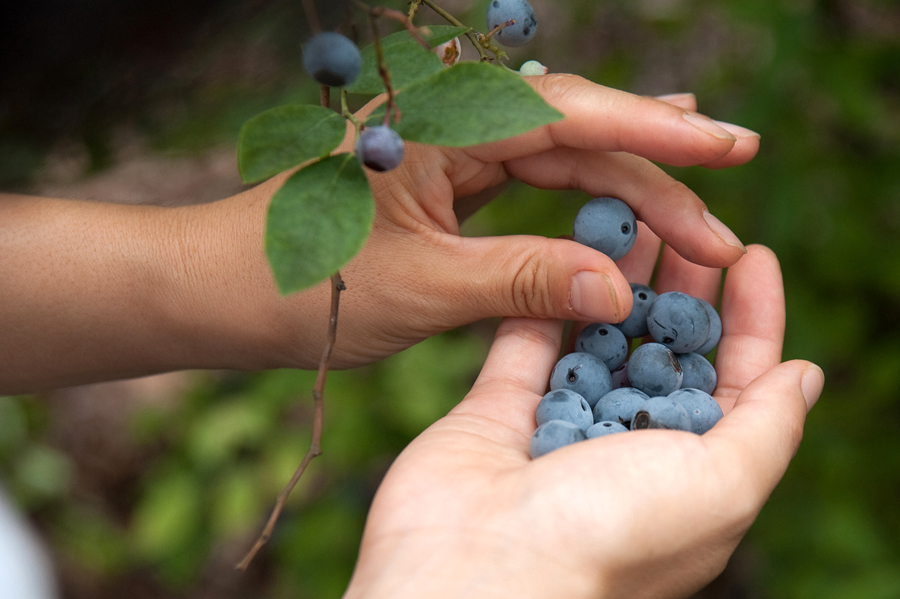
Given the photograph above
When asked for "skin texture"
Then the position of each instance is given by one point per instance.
(123, 291)
(464, 512)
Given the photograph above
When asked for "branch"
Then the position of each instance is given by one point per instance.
(315, 449)
(381, 11)
(312, 16)
(469, 34)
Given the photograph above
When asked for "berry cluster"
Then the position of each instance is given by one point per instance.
(667, 383)
(334, 60)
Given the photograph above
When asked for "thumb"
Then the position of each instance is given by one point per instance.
(756, 440)
(534, 277)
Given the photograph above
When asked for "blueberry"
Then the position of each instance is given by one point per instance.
(332, 59)
(583, 373)
(698, 372)
(654, 369)
(678, 321)
(563, 404)
(636, 323)
(703, 410)
(620, 376)
(715, 329)
(380, 148)
(524, 28)
(607, 225)
(604, 341)
(601, 429)
(661, 412)
(553, 435)
(619, 405)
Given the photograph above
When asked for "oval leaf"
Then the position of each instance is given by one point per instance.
(281, 138)
(407, 61)
(318, 221)
(469, 103)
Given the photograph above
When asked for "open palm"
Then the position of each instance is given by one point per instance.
(464, 511)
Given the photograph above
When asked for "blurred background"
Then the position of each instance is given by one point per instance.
(154, 488)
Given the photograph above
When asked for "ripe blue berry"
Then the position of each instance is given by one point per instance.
(698, 372)
(654, 369)
(583, 373)
(553, 435)
(636, 323)
(604, 341)
(563, 404)
(601, 429)
(703, 410)
(607, 225)
(678, 321)
(380, 148)
(619, 405)
(715, 329)
(520, 11)
(620, 376)
(332, 59)
(661, 412)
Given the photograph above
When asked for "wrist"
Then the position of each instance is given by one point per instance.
(474, 566)
(229, 302)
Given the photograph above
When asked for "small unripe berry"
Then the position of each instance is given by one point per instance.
(380, 148)
(532, 67)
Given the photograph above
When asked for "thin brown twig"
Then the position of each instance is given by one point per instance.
(383, 72)
(382, 11)
(413, 9)
(469, 34)
(315, 445)
(312, 16)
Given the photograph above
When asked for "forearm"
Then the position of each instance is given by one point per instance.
(96, 291)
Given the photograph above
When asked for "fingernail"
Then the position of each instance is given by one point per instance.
(592, 295)
(708, 126)
(737, 130)
(676, 98)
(722, 232)
(811, 385)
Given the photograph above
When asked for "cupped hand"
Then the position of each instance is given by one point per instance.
(464, 511)
(417, 276)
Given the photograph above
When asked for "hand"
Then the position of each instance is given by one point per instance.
(464, 511)
(417, 277)
(99, 291)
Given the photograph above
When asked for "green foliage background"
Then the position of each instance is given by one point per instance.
(820, 80)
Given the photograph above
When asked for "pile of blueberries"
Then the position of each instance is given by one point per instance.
(598, 390)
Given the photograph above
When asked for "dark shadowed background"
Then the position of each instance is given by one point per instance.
(154, 488)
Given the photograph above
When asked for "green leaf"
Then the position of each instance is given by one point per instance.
(469, 103)
(281, 138)
(407, 61)
(318, 221)
(436, 35)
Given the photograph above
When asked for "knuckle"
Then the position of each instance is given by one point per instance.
(531, 287)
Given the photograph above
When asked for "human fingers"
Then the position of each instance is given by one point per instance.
(753, 444)
(746, 141)
(605, 119)
(668, 207)
(515, 374)
(524, 275)
(753, 321)
(637, 265)
(678, 274)
(687, 101)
